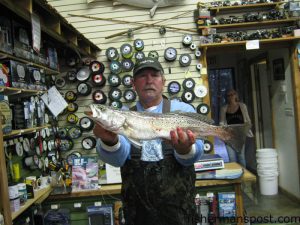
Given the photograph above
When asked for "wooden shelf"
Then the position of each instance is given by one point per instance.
(39, 196)
(249, 24)
(107, 189)
(25, 61)
(240, 43)
(15, 133)
(19, 91)
(53, 26)
(247, 6)
(111, 189)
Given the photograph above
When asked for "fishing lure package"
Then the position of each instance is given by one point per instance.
(84, 174)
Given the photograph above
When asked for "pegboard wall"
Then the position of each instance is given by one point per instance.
(99, 20)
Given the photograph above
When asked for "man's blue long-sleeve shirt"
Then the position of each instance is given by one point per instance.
(117, 155)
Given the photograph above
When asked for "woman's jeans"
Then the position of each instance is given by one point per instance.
(235, 156)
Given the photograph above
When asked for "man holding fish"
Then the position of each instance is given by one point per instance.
(158, 178)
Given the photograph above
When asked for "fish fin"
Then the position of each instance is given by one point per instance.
(237, 135)
(135, 142)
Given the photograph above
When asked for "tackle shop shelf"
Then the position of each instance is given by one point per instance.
(113, 192)
(39, 196)
(52, 24)
(249, 24)
(9, 56)
(55, 31)
(19, 91)
(243, 43)
(247, 6)
(15, 133)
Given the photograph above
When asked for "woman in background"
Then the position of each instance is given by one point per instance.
(235, 112)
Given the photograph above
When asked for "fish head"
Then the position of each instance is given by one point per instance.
(109, 118)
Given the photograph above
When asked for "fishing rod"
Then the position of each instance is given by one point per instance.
(143, 25)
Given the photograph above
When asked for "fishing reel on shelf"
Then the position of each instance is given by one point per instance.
(217, 38)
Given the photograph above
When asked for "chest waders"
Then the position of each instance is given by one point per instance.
(158, 193)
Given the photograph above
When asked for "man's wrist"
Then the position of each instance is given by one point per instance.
(109, 147)
(111, 143)
(189, 154)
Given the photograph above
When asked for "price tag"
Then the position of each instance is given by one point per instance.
(55, 206)
(98, 203)
(77, 205)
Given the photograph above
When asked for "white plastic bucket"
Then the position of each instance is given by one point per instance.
(266, 151)
(268, 185)
(266, 155)
(267, 173)
(267, 160)
(267, 166)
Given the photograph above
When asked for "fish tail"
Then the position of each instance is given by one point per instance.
(235, 135)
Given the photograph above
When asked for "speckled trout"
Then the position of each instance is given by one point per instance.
(138, 126)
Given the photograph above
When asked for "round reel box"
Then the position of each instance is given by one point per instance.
(200, 91)
(60, 82)
(129, 95)
(74, 132)
(114, 80)
(71, 76)
(115, 67)
(203, 109)
(116, 104)
(88, 143)
(139, 44)
(70, 96)
(86, 123)
(187, 40)
(188, 84)
(127, 81)
(84, 89)
(185, 60)
(153, 54)
(139, 55)
(208, 146)
(126, 51)
(115, 94)
(188, 96)
(99, 97)
(98, 79)
(72, 118)
(174, 87)
(72, 107)
(97, 67)
(127, 65)
(170, 54)
(112, 54)
(83, 74)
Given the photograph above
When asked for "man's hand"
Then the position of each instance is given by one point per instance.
(182, 141)
(109, 138)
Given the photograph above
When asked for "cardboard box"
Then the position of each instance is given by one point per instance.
(18, 74)
(227, 204)
(4, 74)
(5, 35)
(6, 115)
(297, 32)
(22, 41)
(37, 79)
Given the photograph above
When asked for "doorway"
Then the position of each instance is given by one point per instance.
(262, 104)
(262, 111)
